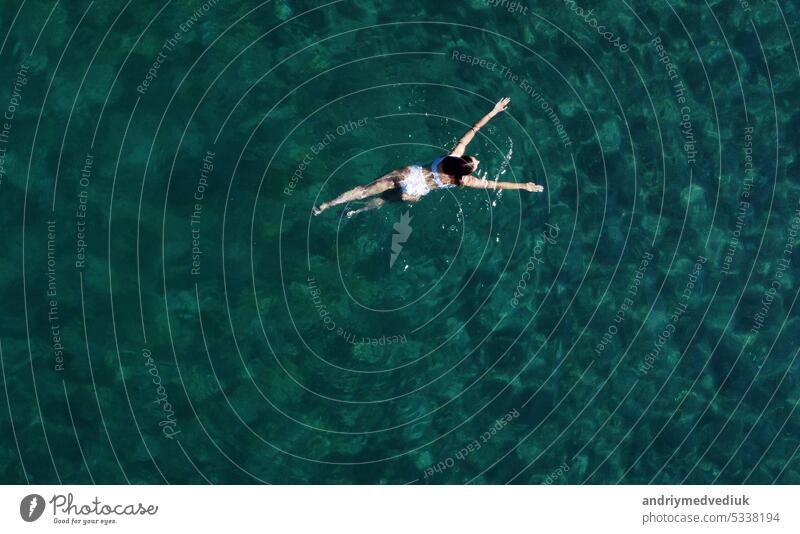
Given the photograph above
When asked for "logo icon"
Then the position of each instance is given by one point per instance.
(31, 507)
(402, 232)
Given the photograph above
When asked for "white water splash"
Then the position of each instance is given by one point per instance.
(504, 165)
(502, 170)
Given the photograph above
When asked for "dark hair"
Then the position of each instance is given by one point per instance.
(457, 166)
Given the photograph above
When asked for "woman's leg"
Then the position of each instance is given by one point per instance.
(370, 205)
(381, 185)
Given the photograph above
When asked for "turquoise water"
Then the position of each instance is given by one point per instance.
(173, 313)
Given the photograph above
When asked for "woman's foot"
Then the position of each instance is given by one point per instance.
(535, 188)
(316, 211)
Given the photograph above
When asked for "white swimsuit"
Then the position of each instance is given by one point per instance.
(415, 184)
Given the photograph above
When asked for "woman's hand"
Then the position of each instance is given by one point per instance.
(461, 146)
(533, 188)
(501, 105)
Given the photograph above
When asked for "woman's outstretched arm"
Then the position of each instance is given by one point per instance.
(465, 140)
(479, 183)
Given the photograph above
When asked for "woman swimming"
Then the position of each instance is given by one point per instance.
(411, 183)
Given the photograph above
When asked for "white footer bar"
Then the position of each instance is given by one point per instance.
(400, 509)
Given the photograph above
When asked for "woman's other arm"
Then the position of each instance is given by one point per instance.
(479, 183)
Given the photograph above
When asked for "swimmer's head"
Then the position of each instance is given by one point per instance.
(459, 166)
